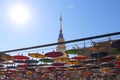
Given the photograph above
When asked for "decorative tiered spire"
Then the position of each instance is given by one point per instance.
(61, 47)
(60, 35)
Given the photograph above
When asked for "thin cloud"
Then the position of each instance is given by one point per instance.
(71, 6)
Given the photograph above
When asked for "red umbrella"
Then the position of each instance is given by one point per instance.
(53, 54)
(58, 64)
(11, 71)
(22, 66)
(117, 62)
(79, 57)
(21, 57)
(107, 58)
(51, 68)
(88, 73)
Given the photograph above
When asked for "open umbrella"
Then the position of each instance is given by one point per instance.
(57, 64)
(53, 54)
(73, 62)
(107, 58)
(19, 61)
(116, 51)
(62, 59)
(22, 66)
(116, 44)
(79, 57)
(7, 62)
(46, 60)
(96, 48)
(117, 64)
(20, 57)
(36, 55)
(5, 57)
(106, 64)
(11, 67)
(31, 61)
(74, 51)
(89, 61)
(99, 54)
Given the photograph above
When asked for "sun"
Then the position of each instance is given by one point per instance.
(19, 14)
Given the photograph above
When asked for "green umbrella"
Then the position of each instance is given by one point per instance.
(74, 51)
(46, 60)
(116, 52)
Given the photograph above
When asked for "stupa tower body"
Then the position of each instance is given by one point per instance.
(61, 47)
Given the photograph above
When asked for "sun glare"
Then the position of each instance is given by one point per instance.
(19, 14)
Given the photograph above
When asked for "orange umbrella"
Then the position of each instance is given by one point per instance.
(36, 55)
(79, 57)
(72, 62)
(29, 72)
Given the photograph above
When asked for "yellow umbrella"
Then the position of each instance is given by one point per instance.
(62, 59)
(96, 48)
(36, 55)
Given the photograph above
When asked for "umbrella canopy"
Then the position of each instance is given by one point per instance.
(62, 59)
(96, 48)
(58, 64)
(72, 62)
(116, 44)
(29, 72)
(106, 64)
(53, 54)
(79, 57)
(89, 60)
(1, 66)
(99, 54)
(21, 57)
(31, 61)
(74, 51)
(88, 73)
(11, 67)
(6, 62)
(5, 57)
(22, 66)
(19, 61)
(51, 68)
(117, 62)
(11, 71)
(36, 55)
(76, 66)
(46, 60)
(43, 65)
(116, 51)
(107, 58)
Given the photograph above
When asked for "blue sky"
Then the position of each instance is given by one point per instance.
(81, 18)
